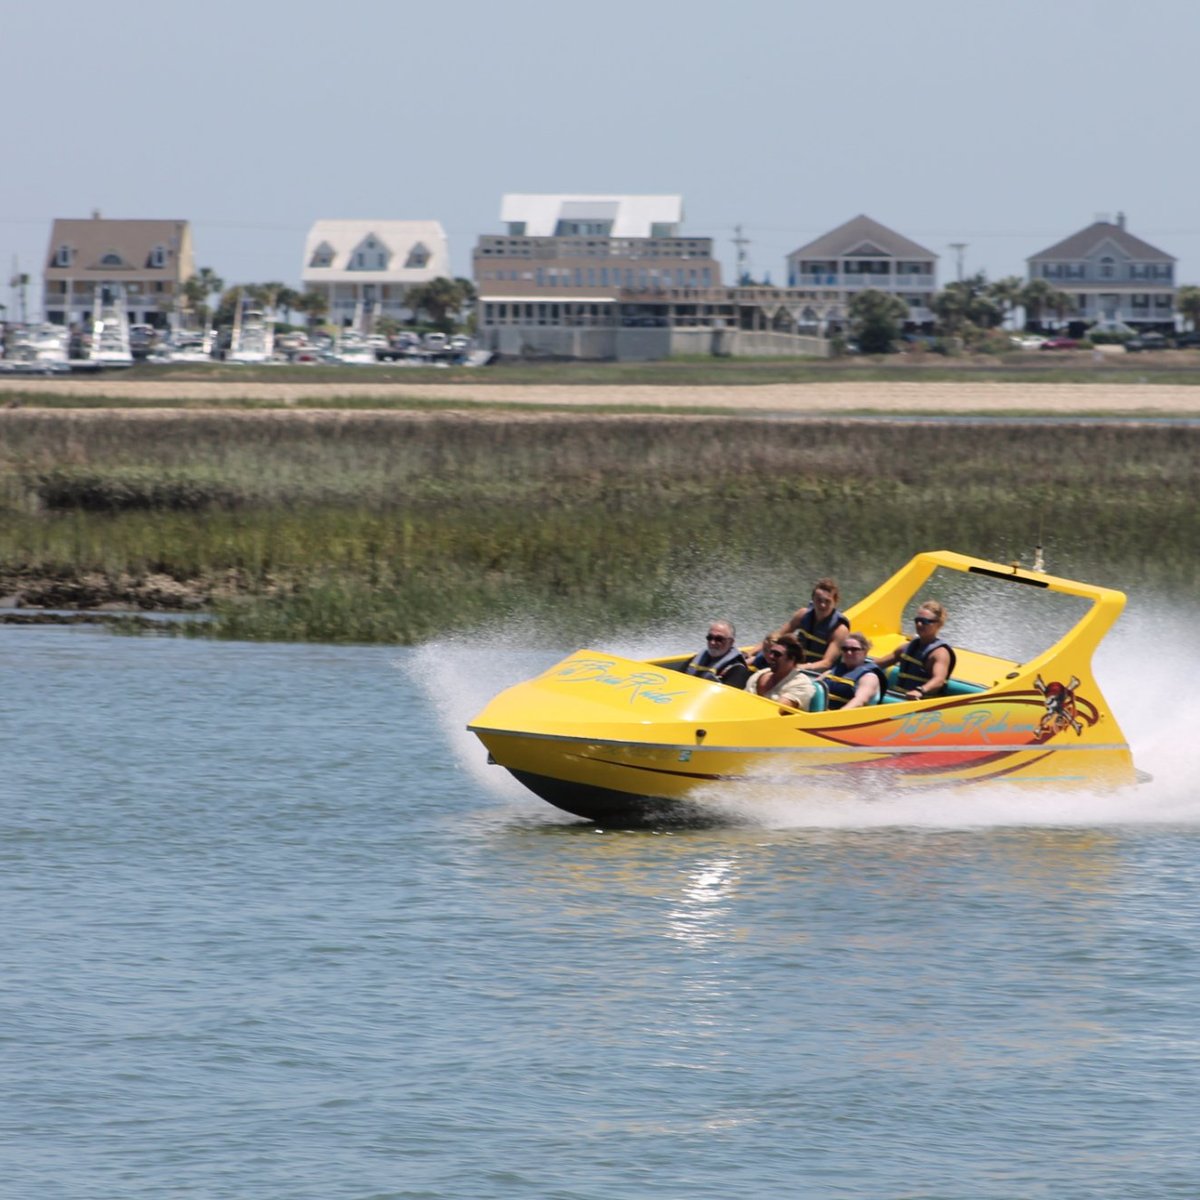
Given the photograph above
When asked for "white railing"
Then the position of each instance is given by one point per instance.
(881, 283)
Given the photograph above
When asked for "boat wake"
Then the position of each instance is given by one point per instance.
(1129, 666)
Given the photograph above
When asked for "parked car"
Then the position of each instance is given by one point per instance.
(1148, 341)
(1027, 341)
(1187, 341)
(1060, 343)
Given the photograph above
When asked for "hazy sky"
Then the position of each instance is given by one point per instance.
(1004, 125)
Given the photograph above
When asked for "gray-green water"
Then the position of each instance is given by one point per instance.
(272, 928)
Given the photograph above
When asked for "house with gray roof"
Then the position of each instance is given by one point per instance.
(862, 254)
(1113, 277)
(148, 261)
(365, 268)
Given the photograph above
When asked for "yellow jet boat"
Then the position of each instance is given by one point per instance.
(628, 742)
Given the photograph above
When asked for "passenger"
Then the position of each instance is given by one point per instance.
(820, 626)
(721, 660)
(783, 679)
(927, 662)
(854, 680)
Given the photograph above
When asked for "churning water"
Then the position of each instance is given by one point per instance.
(273, 929)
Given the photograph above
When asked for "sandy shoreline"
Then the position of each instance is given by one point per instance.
(823, 399)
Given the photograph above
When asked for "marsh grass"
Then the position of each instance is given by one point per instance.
(394, 528)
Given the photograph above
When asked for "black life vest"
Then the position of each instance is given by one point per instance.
(717, 669)
(841, 684)
(914, 663)
(814, 635)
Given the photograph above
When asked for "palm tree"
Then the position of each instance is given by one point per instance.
(1061, 303)
(1007, 293)
(285, 301)
(1187, 301)
(1035, 299)
(440, 299)
(198, 288)
(313, 305)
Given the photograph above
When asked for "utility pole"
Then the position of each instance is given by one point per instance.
(958, 248)
(741, 243)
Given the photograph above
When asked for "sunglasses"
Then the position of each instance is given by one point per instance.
(924, 620)
(716, 637)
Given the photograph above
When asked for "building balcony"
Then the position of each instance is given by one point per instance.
(859, 283)
(557, 248)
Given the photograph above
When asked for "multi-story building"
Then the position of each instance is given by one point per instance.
(862, 254)
(1112, 277)
(364, 269)
(149, 260)
(576, 275)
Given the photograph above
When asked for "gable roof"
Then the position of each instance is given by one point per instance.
(631, 216)
(1086, 241)
(343, 237)
(855, 234)
(92, 239)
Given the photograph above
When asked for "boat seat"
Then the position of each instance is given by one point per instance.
(820, 698)
(954, 687)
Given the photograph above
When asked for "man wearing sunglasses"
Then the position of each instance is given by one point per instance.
(783, 679)
(720, 660)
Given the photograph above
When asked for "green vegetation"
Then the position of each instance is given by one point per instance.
(395, 527)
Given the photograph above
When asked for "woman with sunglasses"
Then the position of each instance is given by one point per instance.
(783, 679)
(927, 662)
(854, 680)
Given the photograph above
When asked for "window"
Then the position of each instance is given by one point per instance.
(158, 256)
(516, 229)
(418, 257)
(1108, 268)
(63, 257)
(111, 259)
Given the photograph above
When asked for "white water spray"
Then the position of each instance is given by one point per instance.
(1152, 695)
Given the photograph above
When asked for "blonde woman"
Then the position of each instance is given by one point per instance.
(927, 662)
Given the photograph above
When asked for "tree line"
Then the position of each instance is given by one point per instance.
(443, 303)
(972, 309)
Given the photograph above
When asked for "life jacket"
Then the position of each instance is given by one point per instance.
(914, 666)
(716, 669)
(841, 684)
(814, 635)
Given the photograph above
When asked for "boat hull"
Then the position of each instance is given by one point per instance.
(625, 741)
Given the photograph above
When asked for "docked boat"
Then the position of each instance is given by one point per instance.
(632, 741)
(110, 345)
(253, 337)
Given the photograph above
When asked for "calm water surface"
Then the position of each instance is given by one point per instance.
(272, 929)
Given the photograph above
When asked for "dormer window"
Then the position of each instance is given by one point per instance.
(322, 256)
(62, 256)
(418, 257)
(158, 256)
(112, 259)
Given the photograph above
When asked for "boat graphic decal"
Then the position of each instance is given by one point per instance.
(1062, 708)
(1016, 718)
(647, 686)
